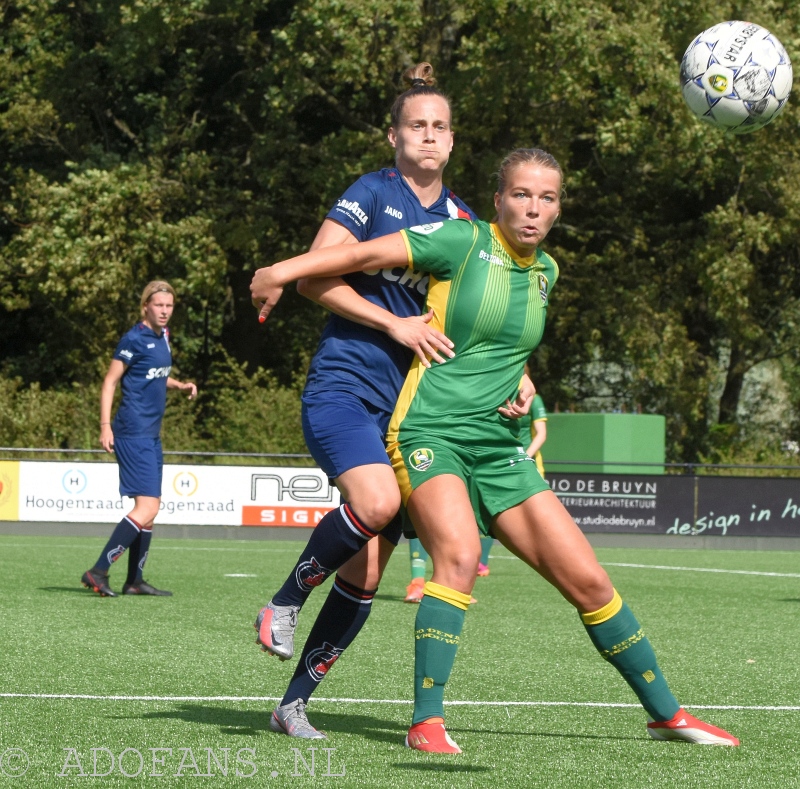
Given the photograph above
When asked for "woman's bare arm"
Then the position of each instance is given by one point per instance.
(268, 282)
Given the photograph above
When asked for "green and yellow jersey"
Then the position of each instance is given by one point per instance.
(538, 413)
(492, 304)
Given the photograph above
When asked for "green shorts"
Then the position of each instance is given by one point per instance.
(496, 478)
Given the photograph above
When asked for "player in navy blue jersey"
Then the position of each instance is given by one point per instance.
(352, 386)
(142, 363)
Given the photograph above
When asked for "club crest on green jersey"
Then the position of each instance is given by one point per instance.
(543, 288)
(421, 459)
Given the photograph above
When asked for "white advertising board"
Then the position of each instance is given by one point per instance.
(203, 495)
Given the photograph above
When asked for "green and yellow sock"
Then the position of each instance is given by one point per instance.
(437, 632)
(619, 639)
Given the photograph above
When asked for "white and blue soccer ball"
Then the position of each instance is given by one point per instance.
(736, 76)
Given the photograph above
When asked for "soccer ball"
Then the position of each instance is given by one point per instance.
(736, 76)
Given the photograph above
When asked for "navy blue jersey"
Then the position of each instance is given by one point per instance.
(148, 361)
(354, 358)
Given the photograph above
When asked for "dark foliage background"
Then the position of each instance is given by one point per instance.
(197, 140)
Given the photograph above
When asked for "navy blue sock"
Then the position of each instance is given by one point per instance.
(338, 623)
(125, 532)
(137, 556)
(337, 537)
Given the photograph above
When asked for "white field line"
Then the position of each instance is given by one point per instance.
(98, 697)
(700, 569)
(249, 547)
(683, 569)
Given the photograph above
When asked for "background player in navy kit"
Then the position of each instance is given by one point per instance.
(142, 362)
(353, 381)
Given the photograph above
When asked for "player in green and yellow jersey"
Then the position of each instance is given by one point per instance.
(479, 293)
(454, 455)
(491, 302)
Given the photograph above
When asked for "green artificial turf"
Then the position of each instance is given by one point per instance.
(537, 703)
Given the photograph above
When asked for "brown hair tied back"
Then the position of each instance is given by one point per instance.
(420, 75)
(421, 81)
(523, 156)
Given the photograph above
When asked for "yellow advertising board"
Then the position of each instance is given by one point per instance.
(9, 490)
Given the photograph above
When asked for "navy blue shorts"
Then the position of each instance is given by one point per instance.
(343, 431)
(141, 463)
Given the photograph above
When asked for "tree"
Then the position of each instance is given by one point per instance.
(73, 273)
(206, 138)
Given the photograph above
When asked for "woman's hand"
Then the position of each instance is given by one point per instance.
(522, 403)
(181, 386)
(265, 293)
(107, 437)
(426, 342)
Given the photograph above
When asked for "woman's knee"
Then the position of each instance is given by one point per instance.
(144, 515)
(593, 591)
(456, 566)
(377, 508)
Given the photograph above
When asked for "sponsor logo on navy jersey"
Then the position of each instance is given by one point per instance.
(393, 212)
(319, 661)
(126, 353)
(407, 277)
(354, 208)
(158, 372)
(310, 574)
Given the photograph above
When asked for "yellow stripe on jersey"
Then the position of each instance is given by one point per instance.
(521, 262)
(605, 613)
(448, 595)
(438, 294)
(408, 247)
(400, 471)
